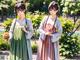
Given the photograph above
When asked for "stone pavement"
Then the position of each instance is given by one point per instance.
(4, 55)
(34, 57)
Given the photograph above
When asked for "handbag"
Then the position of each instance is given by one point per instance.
(6, 34)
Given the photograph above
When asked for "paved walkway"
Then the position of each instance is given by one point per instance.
(34, 57)
(2, 57)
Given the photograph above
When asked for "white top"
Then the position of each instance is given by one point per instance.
(50, 21)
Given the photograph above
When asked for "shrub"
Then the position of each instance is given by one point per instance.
(69, 45)
(7, 23)
(4, 45)
(34, 46)
(36, 19)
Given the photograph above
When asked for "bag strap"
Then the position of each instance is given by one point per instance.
(45, 21)
(26, 21)
(55, 21)
(14, 25)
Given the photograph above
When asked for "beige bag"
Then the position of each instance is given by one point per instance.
(6, 35)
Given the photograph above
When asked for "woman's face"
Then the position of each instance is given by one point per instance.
(53, 12)
(21, 13)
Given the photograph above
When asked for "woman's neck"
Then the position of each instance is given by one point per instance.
(21, 18)
(53, 17)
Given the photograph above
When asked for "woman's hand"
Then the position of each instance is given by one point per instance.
(24, 29)
(48, 33)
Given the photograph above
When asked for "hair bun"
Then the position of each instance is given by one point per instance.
(53, 5)
(20, 5)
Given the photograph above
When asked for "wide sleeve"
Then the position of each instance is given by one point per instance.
(29, 32)
(41, 26)
(11, 29)
(41, 31)
(56, 36)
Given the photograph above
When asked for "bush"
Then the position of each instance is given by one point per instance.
(69, 45)
(4, 45)
(38, 5)
(36, 19)
(7, 23)
(34, 47)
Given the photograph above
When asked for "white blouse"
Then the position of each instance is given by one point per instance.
(50, 21)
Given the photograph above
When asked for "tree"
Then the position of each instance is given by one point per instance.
(6, 8)
(38, 5)
(69, 45)
(72, 9)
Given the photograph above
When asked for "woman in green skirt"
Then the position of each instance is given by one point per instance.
(20, 34)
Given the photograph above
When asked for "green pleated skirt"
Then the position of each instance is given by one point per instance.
(20, 46)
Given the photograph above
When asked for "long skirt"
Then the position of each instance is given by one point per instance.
(20, 46)
(47, 50)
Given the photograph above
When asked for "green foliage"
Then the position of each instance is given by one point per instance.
(4, 45)
(69, 44)
(36, 19)
(35, 3)
(1, 34)
(4, 4)
(7, 24)
(77, 23)
(68, 7)
(6, 8)
(34, 46)
(38, 5)
(71, 7)
(67, 24)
